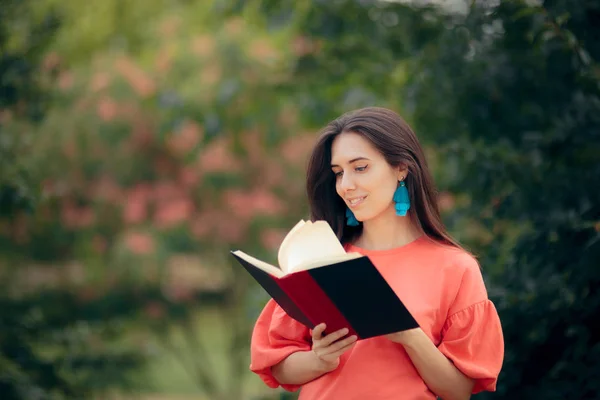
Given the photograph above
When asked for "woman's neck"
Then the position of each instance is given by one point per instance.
(387, 232)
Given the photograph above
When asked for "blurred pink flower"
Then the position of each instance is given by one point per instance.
(189, 177)
(178, 293)
(271, 238)
(234, 25)
(247, 204)
(99, 150)
(297, 148)
(185, 138)
(238, 202)
(219, 225)
(99, 244)
(202, 224)
(203, 45)
(163, 191)
(169, 26)
(136, 77)
(446, 201)
(86, 217)
(48, 187)
(87, 294)
(273, 173)
(154, 310)
(164, 59)
(253, 145)
(51, 61)
(265, 202)
(83, 104)
(230, 230)
(288, 116)
(172, 203)
(262, 49)
(68, 214)
(185, 275)
(211, 73)
(73, 216)
(5, 116)
(301, 46)
(107, 109)
(173, 212)
(70, 149)
(107, 189)
(130, 109)
(136, 204)
(217, 157)
(20, 233)
(140, 243)
(142, 135)
(250, 76)
(164, 166)
(66, 80)
(100, 81)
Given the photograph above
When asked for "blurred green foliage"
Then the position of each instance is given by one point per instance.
(152, 164)
(512, 98)
(142, 140)
(23, 38)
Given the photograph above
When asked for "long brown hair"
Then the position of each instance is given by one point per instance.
(394, 138)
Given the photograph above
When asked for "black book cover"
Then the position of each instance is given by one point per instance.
(272, 288)
(357, 290)
(364, 297)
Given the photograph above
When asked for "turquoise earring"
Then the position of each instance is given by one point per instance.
(350, 218)
(401, 199)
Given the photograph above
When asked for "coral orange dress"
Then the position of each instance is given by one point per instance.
(443, 288)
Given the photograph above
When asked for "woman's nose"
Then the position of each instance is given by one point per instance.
(347, 183)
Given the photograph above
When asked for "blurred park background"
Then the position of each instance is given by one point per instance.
(141, 140)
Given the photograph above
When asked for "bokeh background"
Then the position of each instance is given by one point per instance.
(141, 140)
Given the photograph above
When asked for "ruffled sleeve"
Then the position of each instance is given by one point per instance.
(472, 334)
(275, 337)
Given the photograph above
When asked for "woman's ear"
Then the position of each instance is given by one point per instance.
(402, 171)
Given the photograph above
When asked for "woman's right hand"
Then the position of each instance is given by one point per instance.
(329, 348)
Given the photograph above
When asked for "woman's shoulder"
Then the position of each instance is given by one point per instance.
(456, 258)
(460, 273)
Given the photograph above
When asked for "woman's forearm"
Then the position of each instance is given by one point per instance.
(439, 373)
(299, 368)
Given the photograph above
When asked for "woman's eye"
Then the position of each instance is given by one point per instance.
(337, 174)
(361, 169)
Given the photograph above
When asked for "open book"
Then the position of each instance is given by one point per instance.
(317, 281)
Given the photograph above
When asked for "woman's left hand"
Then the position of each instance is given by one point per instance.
(407, 337)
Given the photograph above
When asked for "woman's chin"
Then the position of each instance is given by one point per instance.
(361, 218)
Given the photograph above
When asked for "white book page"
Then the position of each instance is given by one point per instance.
(326, 261)
(309, 244)
(289, 238)
(268, 268)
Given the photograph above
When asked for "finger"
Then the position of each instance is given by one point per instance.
(317, 332)
(334, 336)
(336, 354)
(340, 345)
(342, 350)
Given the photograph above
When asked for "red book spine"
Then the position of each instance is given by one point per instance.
(314, 302)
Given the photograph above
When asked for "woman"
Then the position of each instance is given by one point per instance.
(368, 178)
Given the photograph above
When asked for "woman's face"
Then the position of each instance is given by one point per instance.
(364, 179)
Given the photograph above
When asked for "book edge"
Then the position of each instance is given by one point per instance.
(326, 261)
(262, 265)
